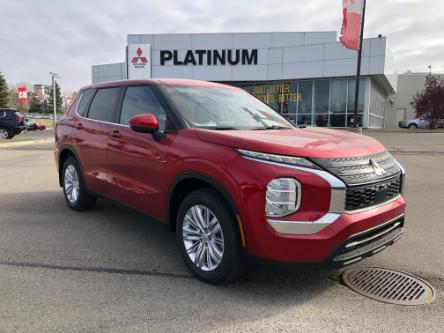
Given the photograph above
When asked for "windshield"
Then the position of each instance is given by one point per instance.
(223, 108)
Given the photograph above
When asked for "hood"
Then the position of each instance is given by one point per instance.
(306, 142)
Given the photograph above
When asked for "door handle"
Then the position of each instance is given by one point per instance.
(79, 126)
(116, 134)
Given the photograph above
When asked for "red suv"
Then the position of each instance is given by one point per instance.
(229, 174)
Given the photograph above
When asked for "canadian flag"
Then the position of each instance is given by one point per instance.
(351, 24)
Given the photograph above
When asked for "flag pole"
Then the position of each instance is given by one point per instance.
(358, 70)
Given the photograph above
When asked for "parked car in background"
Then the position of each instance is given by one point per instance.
(31, 125)
(418, 123)
(229, 174)
(11, 123)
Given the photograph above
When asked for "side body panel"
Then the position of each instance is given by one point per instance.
(137, 166)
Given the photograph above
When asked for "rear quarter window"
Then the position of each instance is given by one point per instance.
(104, 104)
(85, 99)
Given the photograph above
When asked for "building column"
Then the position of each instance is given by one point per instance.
(367, 99)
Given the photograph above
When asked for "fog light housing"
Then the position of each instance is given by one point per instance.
(283, 197)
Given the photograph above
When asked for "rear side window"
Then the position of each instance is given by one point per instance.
(103, 106)
(141, 100)
(85, 98)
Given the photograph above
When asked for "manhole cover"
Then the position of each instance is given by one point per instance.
(388, 286)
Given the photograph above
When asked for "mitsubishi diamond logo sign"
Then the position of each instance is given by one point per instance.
(139, 61)
(379, 171)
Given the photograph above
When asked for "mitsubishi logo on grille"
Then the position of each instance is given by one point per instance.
(379, 171)
(139, 61)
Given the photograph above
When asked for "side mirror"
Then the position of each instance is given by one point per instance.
(144, 123)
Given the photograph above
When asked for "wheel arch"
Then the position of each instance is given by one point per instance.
(187, 183)
(65, 152)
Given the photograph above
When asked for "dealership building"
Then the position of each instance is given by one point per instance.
(308, 76)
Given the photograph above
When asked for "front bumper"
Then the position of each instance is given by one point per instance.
(319, 229)
(368, 242)
(335, 243)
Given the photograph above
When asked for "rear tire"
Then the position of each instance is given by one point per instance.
(6, 133)
(208, 239)
(74, 190)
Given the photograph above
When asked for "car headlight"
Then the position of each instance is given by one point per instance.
(283, 197)
(291, 160)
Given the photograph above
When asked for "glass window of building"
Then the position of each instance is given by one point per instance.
(260, 91)
(322, 96)
(305, 102)
(338, 96)
(338, 102)
(273, 94)
(321, 102)
(351, 95)
(289, 98)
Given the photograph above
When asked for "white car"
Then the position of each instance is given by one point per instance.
(418, 123)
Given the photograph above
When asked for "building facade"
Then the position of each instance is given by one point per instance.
(308, 76)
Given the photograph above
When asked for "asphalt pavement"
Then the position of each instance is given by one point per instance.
(113, 270)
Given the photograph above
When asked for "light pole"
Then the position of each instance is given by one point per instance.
(54, 100)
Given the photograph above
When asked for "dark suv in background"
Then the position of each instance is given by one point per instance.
(11, 123)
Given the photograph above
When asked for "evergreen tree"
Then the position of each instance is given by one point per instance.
(35, 105)
(45, 108)
(4, 96)
(59, 100)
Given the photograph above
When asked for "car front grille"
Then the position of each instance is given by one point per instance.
(370, 180)
(358, 197)
(358, 170)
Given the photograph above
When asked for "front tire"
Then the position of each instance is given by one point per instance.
(207, 237)
(413, 126)
(74, 188)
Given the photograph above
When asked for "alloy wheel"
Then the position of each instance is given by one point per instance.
(3, 133)
(203, 238)
(71, 184)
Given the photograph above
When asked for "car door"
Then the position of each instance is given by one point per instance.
(137, 161)
(92, 130)
(423, 123)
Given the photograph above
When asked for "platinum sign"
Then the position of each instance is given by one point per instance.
(209, 57)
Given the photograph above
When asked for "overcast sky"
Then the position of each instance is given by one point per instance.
(67, 37)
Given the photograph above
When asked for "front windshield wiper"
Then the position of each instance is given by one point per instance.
(219, 128)
(271, 127)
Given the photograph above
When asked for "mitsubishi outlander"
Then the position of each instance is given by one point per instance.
(230, 175)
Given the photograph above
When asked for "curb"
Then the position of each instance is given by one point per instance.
(25, 143)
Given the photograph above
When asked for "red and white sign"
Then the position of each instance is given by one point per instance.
(139, 61)
(22, 94)
(351, 24)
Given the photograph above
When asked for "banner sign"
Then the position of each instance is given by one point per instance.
(351, 23)
(22, 94)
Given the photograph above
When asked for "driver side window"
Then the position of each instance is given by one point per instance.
(142, 100)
